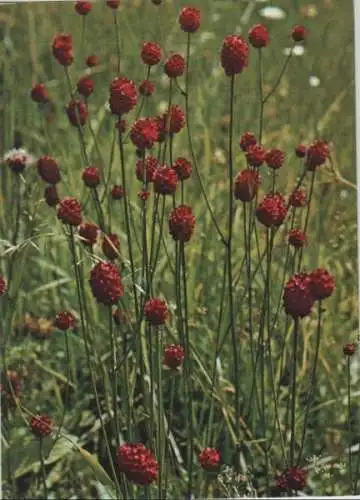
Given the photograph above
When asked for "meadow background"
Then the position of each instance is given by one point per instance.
(315, 99)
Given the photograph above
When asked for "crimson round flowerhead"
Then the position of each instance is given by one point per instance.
(143, 195)
(299, 33)
(259, 36)
(297, 238)
(156, 312)
(147, 88)
(298, 297)
(246, 185)
(246, 140)
(48, 169)
(255, 155)
(298, 198)
(91, 176)
(65, 320)
(51, 196)
(165, 180)
(92, 61)
(293, 478)
(274, 158)
(145, 169)
(272, 210)
(189, 19)
(41, 425)
(88, 231)
(111, 246)
(317, 154)
(105, 283)
(174, 66)
(85, 86)
(177, 119)
(151, 53)
(113, 4)
(301, 150)
(62, 49)
(234, 55)
(117, 192)
(77, 112)
(3, 285)
(349, 349)
(144, 133)
(210, 459)
(183, 168)
(322, 283)
(137, 463)
(182, 223)
(123, 95)
(69, 211)
(83, 8)
(174, 356)
(39, 93)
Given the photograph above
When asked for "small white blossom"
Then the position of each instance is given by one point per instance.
(314, 81)
(298, 50)
(272, 12)
(18, 157)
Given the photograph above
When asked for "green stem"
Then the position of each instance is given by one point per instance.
(293, 393)
(349, 420)
(114, 377)
(43, 470)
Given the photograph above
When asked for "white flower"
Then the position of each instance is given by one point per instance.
(272, 12)
(18, 159)
(314, 81)
(162, 107)
(298, 50)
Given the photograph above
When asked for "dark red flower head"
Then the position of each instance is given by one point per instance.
(183, 168)
(117, 192)
(299, 33)
(165, 180)
(274, 158)
(41, 425)
(293, 478)
(111, 246)
(92, 61)
(297, 238)
(301, 150)
(143, 195)
(174, 356)
(51, 196)
(105, 283)
(246, 185)
(189, 19)
(113, 4)
(174, 66)
(272, 210)
(234, 54)
(3, 285)
(69, 211)
(322, 284)
(137, 463)
(177, 119)
(65, 320)
(349, 349)
(210, 459)
(39, 93)
(85, 86)
(147, 88)
(181, 223)
(83, 8)
(298, 198)
(259, 36)
(48, 170)
(10, 388)
(298, 297)
(255, 155)
(156, 312)
(317, 154)
(145, 169)
(88, 231)
(123, 95)
(62, 49)
(246, 140)
(91, 176)
(151, 53)
(77, 112)
(144, 133)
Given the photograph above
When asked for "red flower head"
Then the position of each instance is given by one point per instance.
(322, 284)
(105, 283)
(177, 119)
(301, 150)
(349, 349)
(161, 125)
(298, 297)
(91, 176)
(39, 93)
(210, 459)
(293, 478)
(65, 320)
(111, 246)
(10, 387)
(272, 210)
(113, 4)
(117, 192)
(156, 312)
(62, 49)
(246, 185)
(255, 155)
(88, 231)
(259, 36)
(49, 170)
(69, 211)
(246, 140)
(144, 133)
(317, 154)
(85, 86)
(83, 8)
(3, 285)
(143, 195)
(147, 88)
(137, 463)
(92, 61)
(274, 158)
(123, 95)
(174, 356)
(189, 19)
(77, 112)
(151, 53)
(145, 169)
(299, 33)
(41, 425)
(234, 54)
(297, 238)
(165, 180)
(183, 168)
(181, 223)
(298, 198)
(51, 196)
(174, 66)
